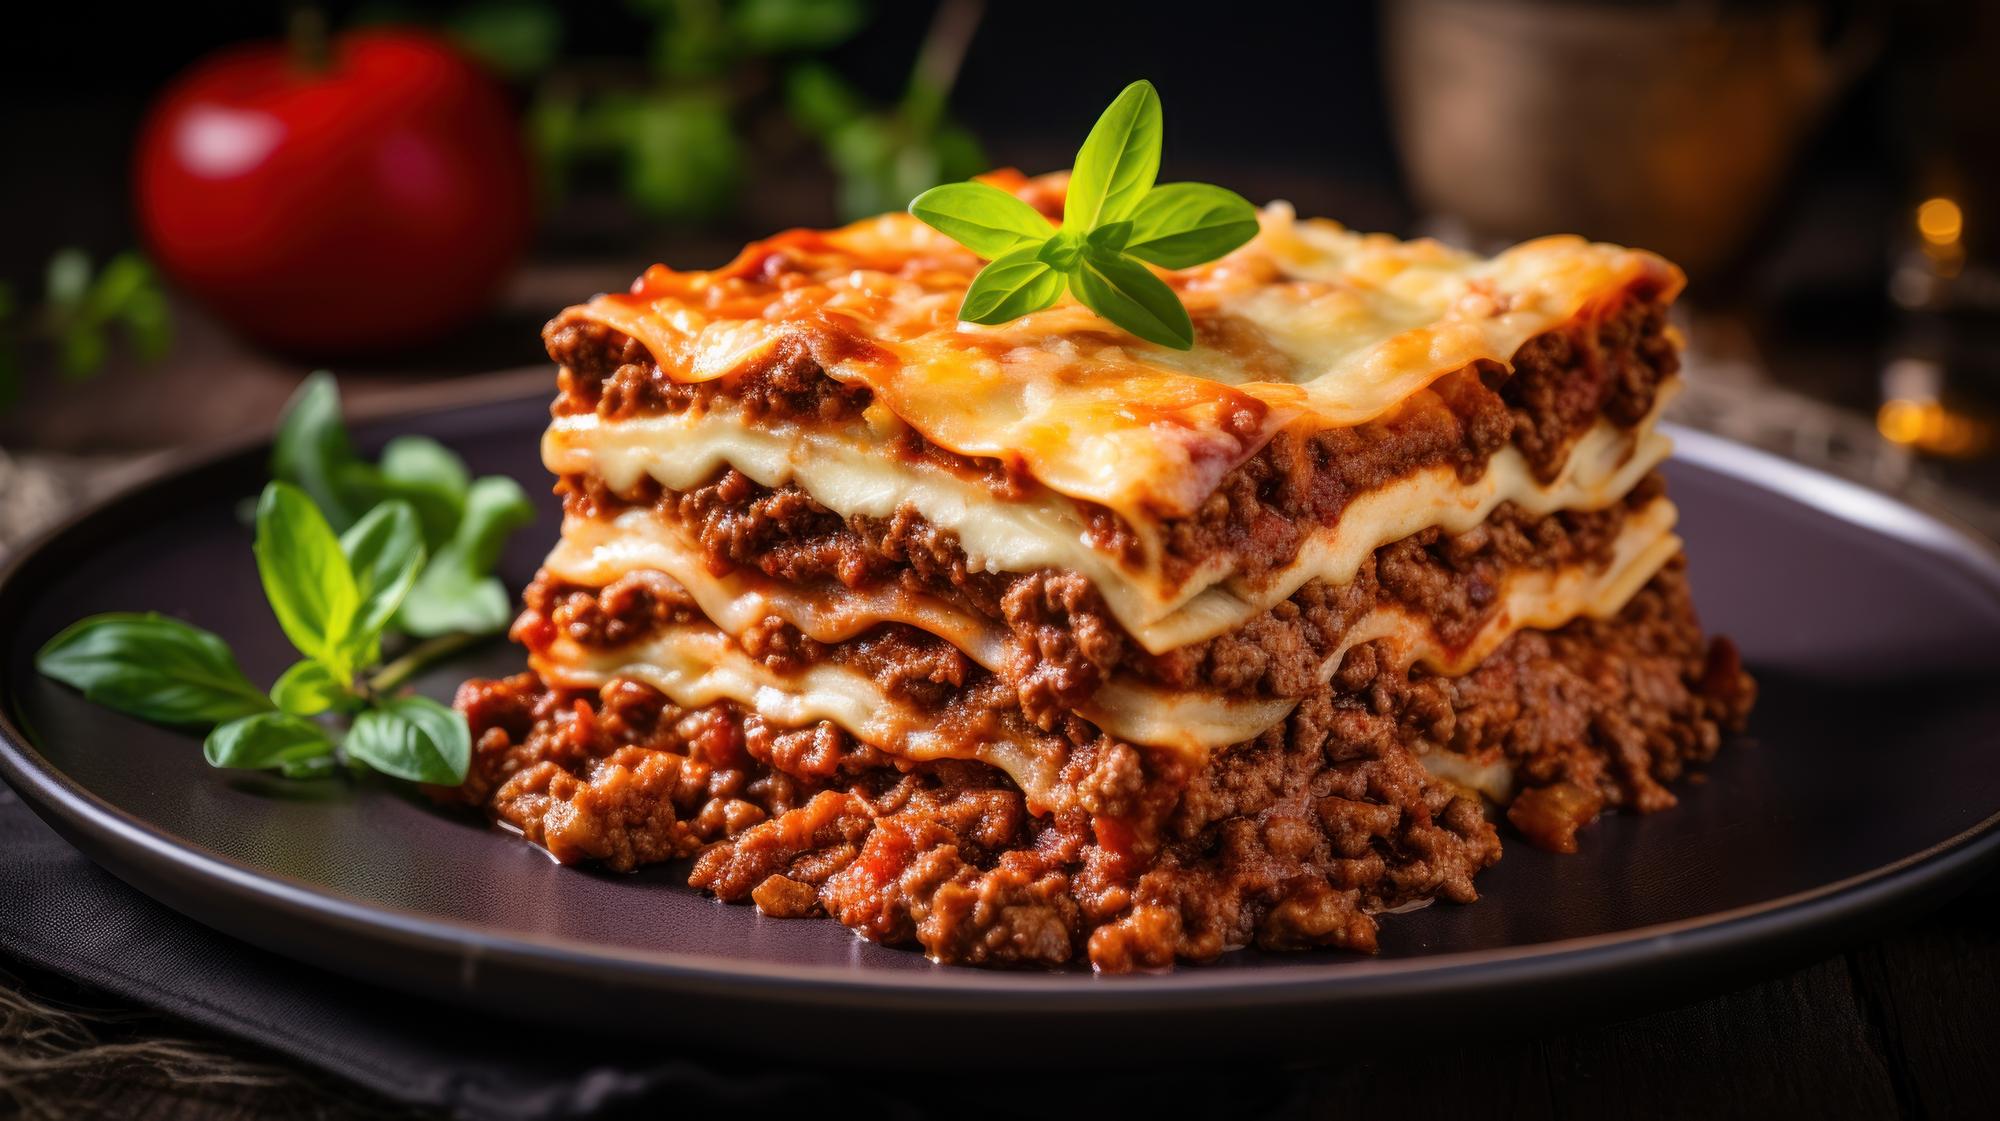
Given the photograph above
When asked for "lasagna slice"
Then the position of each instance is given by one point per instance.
(1036, 643)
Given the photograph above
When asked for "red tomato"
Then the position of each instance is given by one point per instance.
(378, 200)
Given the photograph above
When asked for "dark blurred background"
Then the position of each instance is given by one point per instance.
(1825, 170)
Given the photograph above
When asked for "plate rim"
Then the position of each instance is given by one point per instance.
(142, 851)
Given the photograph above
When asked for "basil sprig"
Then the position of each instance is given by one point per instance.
(334, 596)
(464, 521)
(457, 591)
(351, 555)
(1115, 222)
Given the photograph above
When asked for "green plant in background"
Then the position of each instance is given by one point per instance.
(353, 556)
(883, 157)
(677, 141)
(1115, 222)
(80, 311)
(519, 39)
(718, 75)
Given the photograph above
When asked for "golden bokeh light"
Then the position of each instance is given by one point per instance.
(1940, 221)
(1933, 428)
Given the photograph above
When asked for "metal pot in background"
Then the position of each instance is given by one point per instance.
(1664, 125)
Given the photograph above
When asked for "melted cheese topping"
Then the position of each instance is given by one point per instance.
(1307, 325)
(1193, 722)
(851, 473)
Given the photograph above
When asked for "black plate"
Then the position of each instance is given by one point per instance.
(1867, 787)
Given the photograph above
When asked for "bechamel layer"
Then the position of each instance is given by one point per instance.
(852, 472)
(696, 665)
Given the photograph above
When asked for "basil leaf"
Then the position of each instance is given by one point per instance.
(420, 460)
(306, 577)
(981, 217)
(820, 101)
(1180, 225)
(881, 162)
(147, 322)
(385, 551)
(684, 160)
(412, 738)
(312, 766)
(495, 507)
(456, 591)
(778, 26)
(517, 38)
(1128, 294)
(123, 278)
(312, 449)
(1061, 252)
(1111, 236)
(1118, 161)
(83, 350)
(476, 606)
(152, 667)
(269, 739)
(68, 280)
(307, 689)
(431, 478)
(1013, 286)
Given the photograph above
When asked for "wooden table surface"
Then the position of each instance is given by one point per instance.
(1904, 1026)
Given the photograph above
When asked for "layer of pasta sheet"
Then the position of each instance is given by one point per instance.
(698, 664)
(853, 473)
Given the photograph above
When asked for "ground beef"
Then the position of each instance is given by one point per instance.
(621, 612)
(1298, 838)
(1609, 363)
(612, 375)
(1565, 380)
(1675, 693)
(1063, 641)
(1452, 580)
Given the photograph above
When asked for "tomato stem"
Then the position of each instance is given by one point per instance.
(306, 31)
